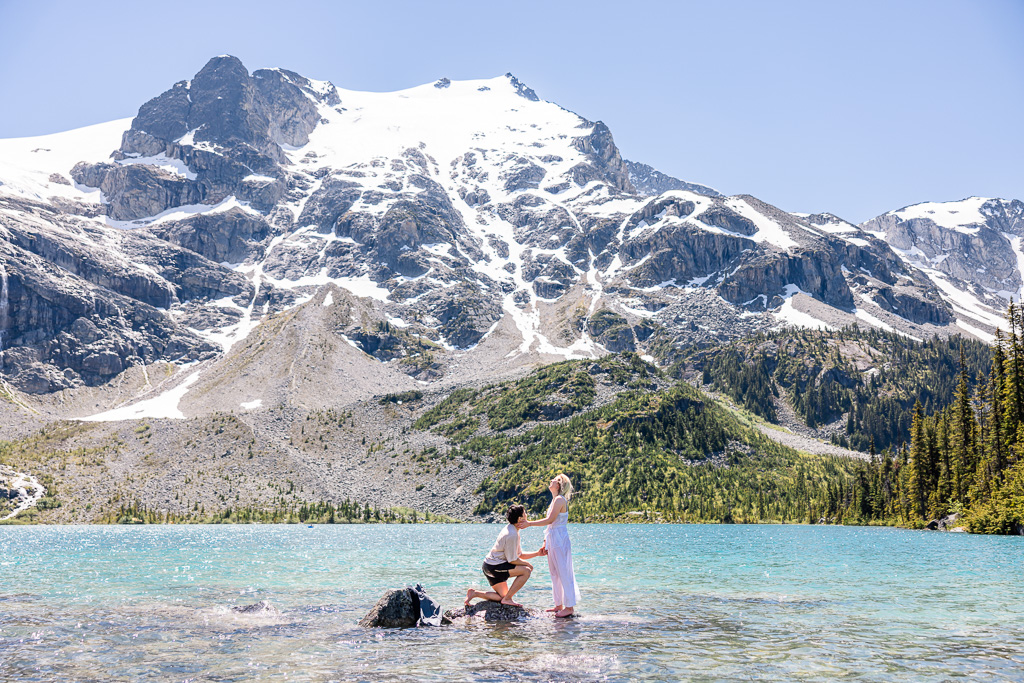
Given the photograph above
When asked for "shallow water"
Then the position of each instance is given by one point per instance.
(659, 603)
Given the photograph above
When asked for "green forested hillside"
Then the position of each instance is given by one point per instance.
(667, 454)
(672, 453)
(871, 378)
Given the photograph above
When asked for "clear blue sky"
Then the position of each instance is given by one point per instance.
(850, 107)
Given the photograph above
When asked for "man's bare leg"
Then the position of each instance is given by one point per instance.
(493, 596)
(522, 574)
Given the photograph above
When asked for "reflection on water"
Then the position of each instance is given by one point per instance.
(659, 602)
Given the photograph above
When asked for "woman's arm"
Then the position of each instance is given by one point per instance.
(557, 506)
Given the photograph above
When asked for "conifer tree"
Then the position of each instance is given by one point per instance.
(1011, 383)
(962, 459)
(918, 477)
(994, 447)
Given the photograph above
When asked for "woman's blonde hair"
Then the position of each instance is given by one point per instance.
(564, 486)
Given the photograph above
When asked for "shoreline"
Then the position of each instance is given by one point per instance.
(435, 522)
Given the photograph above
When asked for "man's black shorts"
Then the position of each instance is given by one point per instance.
(497, 573)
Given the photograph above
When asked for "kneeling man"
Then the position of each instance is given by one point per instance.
(507, 560)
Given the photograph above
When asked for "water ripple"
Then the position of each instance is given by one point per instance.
(660, 603)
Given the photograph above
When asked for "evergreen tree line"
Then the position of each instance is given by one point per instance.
(967, 457)
(345, 512)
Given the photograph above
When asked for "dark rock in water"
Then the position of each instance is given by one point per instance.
(399, 608)
(395, 609)
(261, 607)
(932, 525)
(946, 523)
(491, 611)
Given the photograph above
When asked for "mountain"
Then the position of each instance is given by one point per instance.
(648, 180)
(971, 249)
(299, 273)
(478, 229)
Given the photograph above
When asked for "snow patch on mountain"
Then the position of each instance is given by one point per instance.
(164, 406)
(27, 164)
(790, 315)
(963, 216)
(768, 230)
(446, 123)
(161, 161)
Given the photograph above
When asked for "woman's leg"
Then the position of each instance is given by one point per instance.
(568, 592)
(557, 594)
(565, 590)
(522, 575)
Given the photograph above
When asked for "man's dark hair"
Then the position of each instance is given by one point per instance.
(515, 513)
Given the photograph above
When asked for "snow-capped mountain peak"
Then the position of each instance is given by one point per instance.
(472, 225)
(971, 249)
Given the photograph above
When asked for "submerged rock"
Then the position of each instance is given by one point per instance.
(491, 611)
(261, 607)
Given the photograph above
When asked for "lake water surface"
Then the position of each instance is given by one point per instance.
(660, 602)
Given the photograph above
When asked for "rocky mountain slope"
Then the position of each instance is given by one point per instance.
(970, 249)
(260, 242)
(483, 226)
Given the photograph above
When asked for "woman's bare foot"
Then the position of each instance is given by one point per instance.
(556, 608)
(469, 596)
(510, 603)
(562, 614)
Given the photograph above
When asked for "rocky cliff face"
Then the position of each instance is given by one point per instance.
(483, 228)
(971, 249)
(648, 180)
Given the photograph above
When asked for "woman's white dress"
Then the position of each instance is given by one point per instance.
(563, 578)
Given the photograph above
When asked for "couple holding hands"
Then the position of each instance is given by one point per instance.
(507, 560)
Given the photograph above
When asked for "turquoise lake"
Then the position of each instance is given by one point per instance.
(660, 602)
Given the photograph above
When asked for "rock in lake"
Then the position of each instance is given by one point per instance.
(261, 607)
(395, 609)
(491, 611)
(401, 608)
(947, 523)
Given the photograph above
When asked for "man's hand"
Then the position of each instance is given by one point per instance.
(544, 549)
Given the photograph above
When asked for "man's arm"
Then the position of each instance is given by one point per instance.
(529, 556)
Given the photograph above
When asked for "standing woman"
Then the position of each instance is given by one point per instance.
(556, 541)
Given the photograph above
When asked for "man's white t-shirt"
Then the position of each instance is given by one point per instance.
(506, 548)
